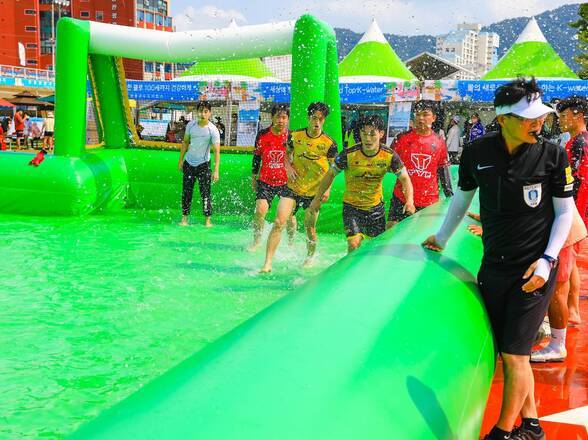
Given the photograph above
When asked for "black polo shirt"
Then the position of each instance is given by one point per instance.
(515, 193)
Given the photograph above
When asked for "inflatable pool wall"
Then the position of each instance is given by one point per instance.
(356, 352)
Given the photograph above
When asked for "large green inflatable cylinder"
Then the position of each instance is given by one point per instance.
(70, 87)
(391, 342)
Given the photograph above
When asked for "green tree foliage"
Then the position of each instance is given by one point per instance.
(582, 26)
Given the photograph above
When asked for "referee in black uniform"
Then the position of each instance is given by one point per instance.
(526, 210)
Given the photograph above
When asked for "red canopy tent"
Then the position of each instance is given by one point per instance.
(5, 103)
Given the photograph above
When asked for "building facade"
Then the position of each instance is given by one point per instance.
(28, 36)
(469, 48)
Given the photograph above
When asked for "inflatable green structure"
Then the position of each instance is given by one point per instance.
(390, 342)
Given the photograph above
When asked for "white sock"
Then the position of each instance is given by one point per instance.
(558, 337)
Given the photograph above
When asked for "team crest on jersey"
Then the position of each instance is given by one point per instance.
(421, 163)
(532, 194)
(276, 159)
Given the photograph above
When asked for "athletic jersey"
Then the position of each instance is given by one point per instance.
(423, 156)
(270, 150)
(515, 193)
(577, 149)
(310, 160)
(364, 174)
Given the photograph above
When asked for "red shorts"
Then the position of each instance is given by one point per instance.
(567, 260)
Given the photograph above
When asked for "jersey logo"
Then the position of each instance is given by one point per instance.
(532, 194)
(484, 167)
(276, 158)
(421, 163)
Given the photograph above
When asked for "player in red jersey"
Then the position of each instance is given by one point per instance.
(269, 176)
(572, 112)
(424, 155)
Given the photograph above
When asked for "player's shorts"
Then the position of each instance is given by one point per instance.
(515, 316)
(19, 133)
(369, 222)
(301, 201)
(396, 212)
(567, 260)
(267, 192)
(48, 133)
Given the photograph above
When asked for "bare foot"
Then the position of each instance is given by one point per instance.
(184, 221)
(309, 262)
(253, 247)
(574, 318)
(265, 269)
(207, 223)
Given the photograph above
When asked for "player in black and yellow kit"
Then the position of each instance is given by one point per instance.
(310, 153)
(365, 166)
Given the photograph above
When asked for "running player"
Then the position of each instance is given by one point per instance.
(194, 161)
(526, 209)
(269, 173)
(424, 155)
(310, 152)
(365, 166)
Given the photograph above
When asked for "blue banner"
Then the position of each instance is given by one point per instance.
(483, 91)
(163, 90)
(358, 93)
(275, 92)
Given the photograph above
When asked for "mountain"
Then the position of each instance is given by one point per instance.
(554, 25)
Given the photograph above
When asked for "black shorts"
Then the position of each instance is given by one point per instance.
(370, 222)
(19, 133)
(396, 212)
(268, 192)
(301, 201)
(515, 316)
(48, 133)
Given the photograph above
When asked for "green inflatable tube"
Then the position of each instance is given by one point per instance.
(391, 342)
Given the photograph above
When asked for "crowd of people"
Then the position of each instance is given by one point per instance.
(26, 132)
(533, 207)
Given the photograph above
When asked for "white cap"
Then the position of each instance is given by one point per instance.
(455, 118)
(526, 109)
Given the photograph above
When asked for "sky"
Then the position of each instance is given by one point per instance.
(403, 17)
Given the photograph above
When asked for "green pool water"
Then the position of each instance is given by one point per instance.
(91, 309)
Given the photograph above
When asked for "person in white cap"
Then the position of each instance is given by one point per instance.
(453, 140)
(526, 210)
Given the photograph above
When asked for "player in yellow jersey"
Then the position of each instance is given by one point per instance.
(310, 153)
(365, 166)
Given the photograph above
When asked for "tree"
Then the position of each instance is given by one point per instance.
(582, 26)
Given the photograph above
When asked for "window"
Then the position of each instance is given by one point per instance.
(32, 62)
(159, 20)
(114, 15)
(85, 14)
(31, 28)
(148, 67)
(30, 12)
(31, 45)
(140, 16)
(149, 17)
(99, 16)
(168, 21)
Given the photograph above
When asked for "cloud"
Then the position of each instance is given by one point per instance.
(206, 17)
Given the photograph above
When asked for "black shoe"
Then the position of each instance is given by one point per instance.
(521, 433)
